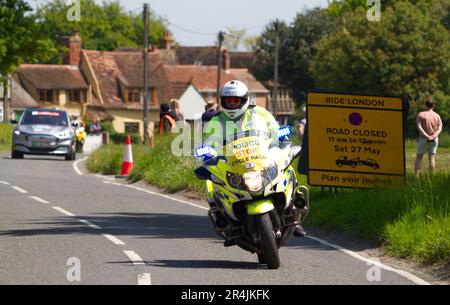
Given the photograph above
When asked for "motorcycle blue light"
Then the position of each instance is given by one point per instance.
(204, 151)
(283, 132)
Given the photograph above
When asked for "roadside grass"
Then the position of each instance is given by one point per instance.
(156, 166)
(5, 137)
(411, 223)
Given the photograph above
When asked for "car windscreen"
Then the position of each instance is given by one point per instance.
(45, 117)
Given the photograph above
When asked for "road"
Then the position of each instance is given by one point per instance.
(60, 225)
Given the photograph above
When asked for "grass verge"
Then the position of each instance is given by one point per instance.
(156, 166)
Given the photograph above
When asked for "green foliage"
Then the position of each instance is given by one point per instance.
(20, 38)
(265, 49)
(5, 137)
(120, 138)
(405, 54)
(234, 38)
(301, 47)
(412, 223)
(105, 26)
(156, 166)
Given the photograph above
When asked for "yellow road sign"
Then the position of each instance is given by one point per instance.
(355, 140)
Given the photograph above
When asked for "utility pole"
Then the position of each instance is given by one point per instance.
(219, 67)
(275, 71)
(146, 91)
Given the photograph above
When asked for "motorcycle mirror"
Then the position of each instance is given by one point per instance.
(295, 151)
(202, 173)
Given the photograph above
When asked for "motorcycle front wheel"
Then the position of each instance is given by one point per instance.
(267, 238)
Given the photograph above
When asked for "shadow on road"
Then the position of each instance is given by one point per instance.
(142, 225)
(200, 264)
(37, 158)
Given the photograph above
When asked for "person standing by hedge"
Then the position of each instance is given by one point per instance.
(429, 124)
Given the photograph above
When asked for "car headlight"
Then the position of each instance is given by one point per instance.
(17, 132)
(253, 181)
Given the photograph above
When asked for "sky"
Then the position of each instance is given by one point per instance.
(197, 22)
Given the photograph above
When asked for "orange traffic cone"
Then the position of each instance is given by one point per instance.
(127, 164)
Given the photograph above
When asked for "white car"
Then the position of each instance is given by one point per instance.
(44, 132)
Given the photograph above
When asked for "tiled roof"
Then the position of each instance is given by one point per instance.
(20, 97)
(126, 67)
(53, 77)
(207, 56)
(204, 78)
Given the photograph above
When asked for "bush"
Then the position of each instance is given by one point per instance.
(120, 138)
(5, 137)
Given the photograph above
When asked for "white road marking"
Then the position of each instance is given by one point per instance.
(113, 239)
(402, 273)
(61, 210)
(405, 274)
(158, 194)
(75, 166)
(144, 279)
(20, 190)
(39, 199)
(89, 224)
(4, 182)
(134, 258)
(113, 183)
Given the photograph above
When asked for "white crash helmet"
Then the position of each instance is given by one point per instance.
(238, 90)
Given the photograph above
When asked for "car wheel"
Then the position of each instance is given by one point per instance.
(71, 156)
(16, 155)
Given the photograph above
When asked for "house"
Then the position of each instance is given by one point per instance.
(282, 107)
(109, 85)
(200, 83)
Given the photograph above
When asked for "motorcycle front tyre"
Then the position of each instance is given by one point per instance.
(267, 238)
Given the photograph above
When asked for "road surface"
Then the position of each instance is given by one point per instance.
(59, 225)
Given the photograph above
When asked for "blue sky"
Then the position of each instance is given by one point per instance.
(210, 16)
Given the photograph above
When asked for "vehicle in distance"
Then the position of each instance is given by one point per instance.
(43, 132)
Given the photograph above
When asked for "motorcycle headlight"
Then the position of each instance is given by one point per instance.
(234, 180)
(272, 171)
(253, 181)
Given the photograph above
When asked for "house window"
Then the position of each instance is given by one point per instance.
(46, 95)
(75, 96)
(131, 127)
(134, 95)
(154, 96)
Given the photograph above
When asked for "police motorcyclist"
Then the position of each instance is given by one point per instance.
(237, 113)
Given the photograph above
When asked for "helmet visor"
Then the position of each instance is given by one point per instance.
(231, 102)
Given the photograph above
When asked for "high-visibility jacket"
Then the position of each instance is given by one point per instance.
(164, 119)
(254, 119)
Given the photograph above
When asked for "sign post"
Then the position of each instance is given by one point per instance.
(355, 140)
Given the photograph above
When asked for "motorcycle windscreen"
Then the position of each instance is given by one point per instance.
(248, 153)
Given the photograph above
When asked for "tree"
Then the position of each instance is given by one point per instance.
(20, 39)
(405, 54)
(304, 33)
(233, 38)
(265, 50)
(102, 27)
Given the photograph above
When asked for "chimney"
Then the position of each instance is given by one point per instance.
(226, 60)
(73, 55)
(166, 42)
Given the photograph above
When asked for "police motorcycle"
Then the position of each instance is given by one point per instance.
(253, 192)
